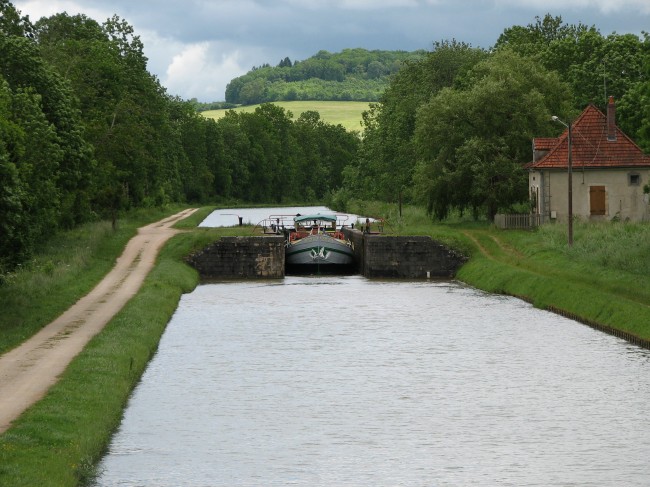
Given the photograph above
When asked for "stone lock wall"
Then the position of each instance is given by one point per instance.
(402, 257)
(241, 257)
(408, 257)
(376, 256)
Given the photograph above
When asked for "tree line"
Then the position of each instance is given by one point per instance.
(454, 129)
(87, 132)
(352, 75)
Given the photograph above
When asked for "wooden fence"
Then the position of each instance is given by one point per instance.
(509, 222)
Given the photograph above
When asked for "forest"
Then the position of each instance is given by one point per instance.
(86, 132)
(350, 75)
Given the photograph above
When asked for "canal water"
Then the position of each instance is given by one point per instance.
(344, 381)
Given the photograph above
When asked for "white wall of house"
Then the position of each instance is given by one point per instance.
(621, 191)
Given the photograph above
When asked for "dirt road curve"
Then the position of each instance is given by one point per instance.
(28, 371)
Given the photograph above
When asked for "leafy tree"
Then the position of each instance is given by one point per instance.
(285, 63)
(252, 92)
(531, 40)
(12, 23)
(24, 68)
(217, 164)
(594, 65)
(310, 174)
(83, 123)
(360, 176)
(236, 155)
(38, 162)
(633, 109)
(29, 163)
(125, 110)
(472, 140)
(13, 243)
(327, 150)
(387, 159)
(376, 70)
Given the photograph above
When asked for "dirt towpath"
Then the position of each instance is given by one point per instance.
(29, 370)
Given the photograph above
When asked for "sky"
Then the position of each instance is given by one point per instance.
(195, 47)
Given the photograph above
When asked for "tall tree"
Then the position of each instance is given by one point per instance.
(13, 242)
(633, 109)
(388, 157)
(124, 108)
(12, 23)
(237, 155)
(326, 151)
(23, 68)
(594, 65)
(472, 140)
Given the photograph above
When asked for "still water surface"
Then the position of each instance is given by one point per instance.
(344, 381)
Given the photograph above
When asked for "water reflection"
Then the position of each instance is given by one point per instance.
(347, 381)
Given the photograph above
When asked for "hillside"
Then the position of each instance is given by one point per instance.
(351, 75)
(346, 113)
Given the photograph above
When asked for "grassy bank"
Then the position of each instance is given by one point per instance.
(603, 280)
(57, 441)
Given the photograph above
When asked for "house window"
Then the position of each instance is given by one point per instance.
(634, 179)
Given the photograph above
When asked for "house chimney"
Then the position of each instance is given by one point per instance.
(611, 120)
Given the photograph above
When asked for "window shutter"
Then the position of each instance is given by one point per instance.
(597, 200)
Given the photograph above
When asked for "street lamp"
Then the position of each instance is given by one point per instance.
(570, 211)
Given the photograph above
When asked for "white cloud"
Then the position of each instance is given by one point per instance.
(199, 72)
(159, 50)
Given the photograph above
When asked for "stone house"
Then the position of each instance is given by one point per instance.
(609, 172)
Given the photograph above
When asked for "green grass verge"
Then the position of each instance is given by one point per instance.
(552, 276)
(346, 113)
(597, 287)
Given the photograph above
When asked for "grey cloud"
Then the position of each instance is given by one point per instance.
(253, 32)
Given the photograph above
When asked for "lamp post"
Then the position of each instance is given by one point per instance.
(570, 183)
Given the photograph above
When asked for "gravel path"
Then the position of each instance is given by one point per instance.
(29, 370)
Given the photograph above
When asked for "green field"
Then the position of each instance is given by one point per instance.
(346, 113)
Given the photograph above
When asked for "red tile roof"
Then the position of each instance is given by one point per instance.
(545, 143)
(591, 148)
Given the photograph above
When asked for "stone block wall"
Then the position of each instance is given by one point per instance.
(377, 256)
(408, 257)
(402, 257)
(241, 257)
